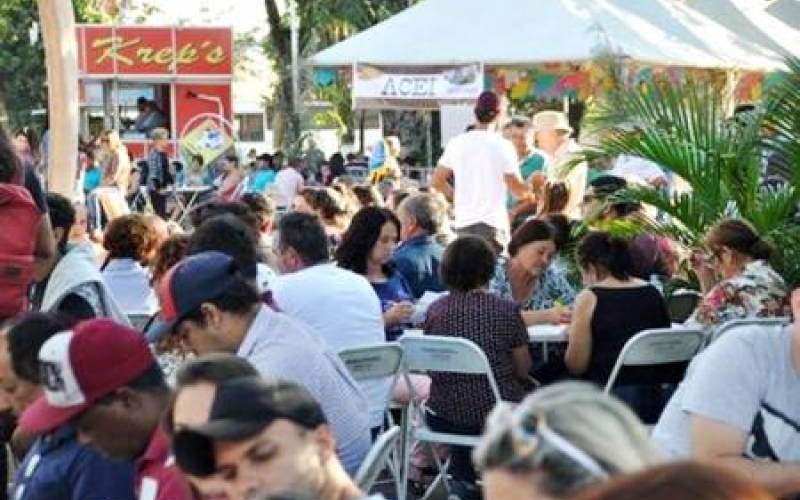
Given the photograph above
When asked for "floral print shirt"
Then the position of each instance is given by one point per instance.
(757, 292)
(551, 286)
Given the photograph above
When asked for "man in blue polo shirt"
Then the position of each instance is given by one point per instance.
(57, 466)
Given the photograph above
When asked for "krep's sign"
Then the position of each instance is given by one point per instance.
(459, 83)
(111, 50)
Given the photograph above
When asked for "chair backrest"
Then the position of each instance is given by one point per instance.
(722, 329)
(141, 321)
(657, 347)
(377, 458)
(373, 362)
(681, 305)
(448, 355)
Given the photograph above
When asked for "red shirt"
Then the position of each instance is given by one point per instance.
(157, 477)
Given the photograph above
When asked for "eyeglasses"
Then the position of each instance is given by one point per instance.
(531, 435)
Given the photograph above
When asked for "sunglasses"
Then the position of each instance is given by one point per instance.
(532, 437)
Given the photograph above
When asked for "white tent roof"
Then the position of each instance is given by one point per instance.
(750, 19)
(524, 32)
(786, 11)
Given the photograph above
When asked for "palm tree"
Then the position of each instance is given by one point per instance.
(686, 129)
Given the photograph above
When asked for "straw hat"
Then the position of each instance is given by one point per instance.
(551, 120)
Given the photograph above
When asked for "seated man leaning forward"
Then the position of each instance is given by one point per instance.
(102, 378)
(264, 440)
(205, 301)
(739, 407)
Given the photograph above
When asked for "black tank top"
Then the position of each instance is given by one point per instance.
(620, 314)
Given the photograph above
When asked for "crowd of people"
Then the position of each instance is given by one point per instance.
(143, 359)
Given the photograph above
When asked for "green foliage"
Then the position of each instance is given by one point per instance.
(685, 128)
(322, 24)
(22, 70)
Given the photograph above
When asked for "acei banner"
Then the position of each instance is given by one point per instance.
(374, 85)
(154, 51)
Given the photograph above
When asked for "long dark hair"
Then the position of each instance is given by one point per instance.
(361, 236)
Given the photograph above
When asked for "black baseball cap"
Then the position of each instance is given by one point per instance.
(242, 408)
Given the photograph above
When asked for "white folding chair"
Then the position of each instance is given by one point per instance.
(657, 347)
(377, 458)
(379, 362)
(375, 362)
(431, 353)
(141, 321)
(724, 328)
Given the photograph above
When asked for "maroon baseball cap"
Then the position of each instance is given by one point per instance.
(487, 102)
(79, 367)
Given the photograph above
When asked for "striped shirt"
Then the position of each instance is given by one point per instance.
(280, 348)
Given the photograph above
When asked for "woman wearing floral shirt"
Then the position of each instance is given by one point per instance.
(528, 279)
(735, 277)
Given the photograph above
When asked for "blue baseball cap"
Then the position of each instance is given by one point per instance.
(192, 281)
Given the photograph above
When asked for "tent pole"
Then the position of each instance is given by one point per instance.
(429, 137)
(361, 124)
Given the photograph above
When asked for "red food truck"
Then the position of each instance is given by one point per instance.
(182, 74)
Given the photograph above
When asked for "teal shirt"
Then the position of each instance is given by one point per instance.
(92, 179)
(529, 166)
(260, 180)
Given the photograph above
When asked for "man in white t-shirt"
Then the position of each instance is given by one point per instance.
(288, 183)
(484, 168)
(738, 406)
(339, 305)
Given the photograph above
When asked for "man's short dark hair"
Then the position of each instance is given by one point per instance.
(238, 299)
(62, 216)
(468, 263)
(27, 337)
(233, 159)
(304, 233)
(229, 235)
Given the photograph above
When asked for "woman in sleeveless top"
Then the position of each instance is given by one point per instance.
(614, 307)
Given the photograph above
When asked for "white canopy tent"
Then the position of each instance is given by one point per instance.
(786, 11)
(528, 32)
(752, 20)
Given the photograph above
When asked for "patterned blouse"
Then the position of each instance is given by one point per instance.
(551, 286)
(496, 326)
(757, 292)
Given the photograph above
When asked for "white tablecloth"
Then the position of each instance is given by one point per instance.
(547, 333)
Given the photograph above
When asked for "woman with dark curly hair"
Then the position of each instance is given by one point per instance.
(172, 251)
(366, 249)
(129, 242)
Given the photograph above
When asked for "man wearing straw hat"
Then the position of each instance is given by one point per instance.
(553, 131)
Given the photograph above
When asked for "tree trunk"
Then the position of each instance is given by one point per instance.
(61, 57)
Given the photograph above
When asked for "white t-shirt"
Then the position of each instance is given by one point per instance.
(288, 182)
(747, 379)
(341, 307)
(638, 170)
(479, 160)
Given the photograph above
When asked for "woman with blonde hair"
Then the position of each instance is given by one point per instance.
(115, 161)
(115, 165)
(560, 440)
